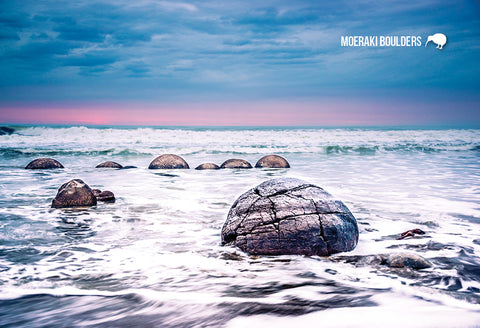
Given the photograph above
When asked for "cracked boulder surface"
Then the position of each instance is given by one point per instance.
(289, 216)
(74, 193)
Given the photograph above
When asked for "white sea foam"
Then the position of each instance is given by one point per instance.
(161, 239)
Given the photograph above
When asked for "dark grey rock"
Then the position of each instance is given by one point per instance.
(104, 196)
(235, 163)
(272, 161)
(128, 167)
(411, 260)
(168, 161)
(6, 130)
(207, 166)
(109, 164)
(44, 163)
(74, 193)
(290, 216)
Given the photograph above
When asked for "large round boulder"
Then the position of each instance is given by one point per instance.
(44, 163)
(168, 161)
(207, 166)
(272, 161)
(235, 163)
(110, 165)
(289, 216)
(74, 193)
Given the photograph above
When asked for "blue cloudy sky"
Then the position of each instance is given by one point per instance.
(212, 58)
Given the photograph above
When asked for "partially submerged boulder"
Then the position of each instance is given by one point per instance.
(272, 161)
(411, 260)
(109, 164)
(168, 161)
(104, 196)
(289, 216)
(235, 163)
(74, 193)
(44, 163)
(207, 166)
(128, 167)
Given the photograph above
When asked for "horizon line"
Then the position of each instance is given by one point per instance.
(300, 126)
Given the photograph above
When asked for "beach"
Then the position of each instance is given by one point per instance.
(154, 257)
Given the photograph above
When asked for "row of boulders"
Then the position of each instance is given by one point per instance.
(171, 161)
(77, 193)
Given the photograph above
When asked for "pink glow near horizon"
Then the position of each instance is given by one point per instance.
(262, 113)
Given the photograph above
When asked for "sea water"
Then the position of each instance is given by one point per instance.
(154, 258)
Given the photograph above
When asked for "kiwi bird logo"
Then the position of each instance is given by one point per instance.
(439, 39)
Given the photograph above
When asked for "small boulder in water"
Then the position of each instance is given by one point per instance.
(104, 196)
(129, 167)
(207, 166)
(289, 216)
(411, 233)
(74, 193)
(411, 260)
(168, 161)
(44, 163)
(235, 163)
(272, 161)
(6, 130)
(109, 164)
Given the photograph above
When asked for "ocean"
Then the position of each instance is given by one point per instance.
(154, 258)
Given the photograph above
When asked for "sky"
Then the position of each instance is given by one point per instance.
(246, 62)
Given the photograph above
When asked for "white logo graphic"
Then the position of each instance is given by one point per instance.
(439, 39)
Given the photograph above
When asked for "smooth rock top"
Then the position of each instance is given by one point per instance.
(168, 161)
(290, 216)
(207, 166)
(74, 193)
(272, 161)
(235, 163)
(411, 260)
(109, 164)
(44, 163)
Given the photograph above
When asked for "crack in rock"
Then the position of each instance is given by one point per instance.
(290, 216)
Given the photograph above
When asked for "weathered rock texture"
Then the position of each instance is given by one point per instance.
(109, 164)
(74, 193)
(290, 216)
(272, 161)
(44, 163)
(104, 196)
(411, 260)
(235, 163)
(207, 166)
(168, 161)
